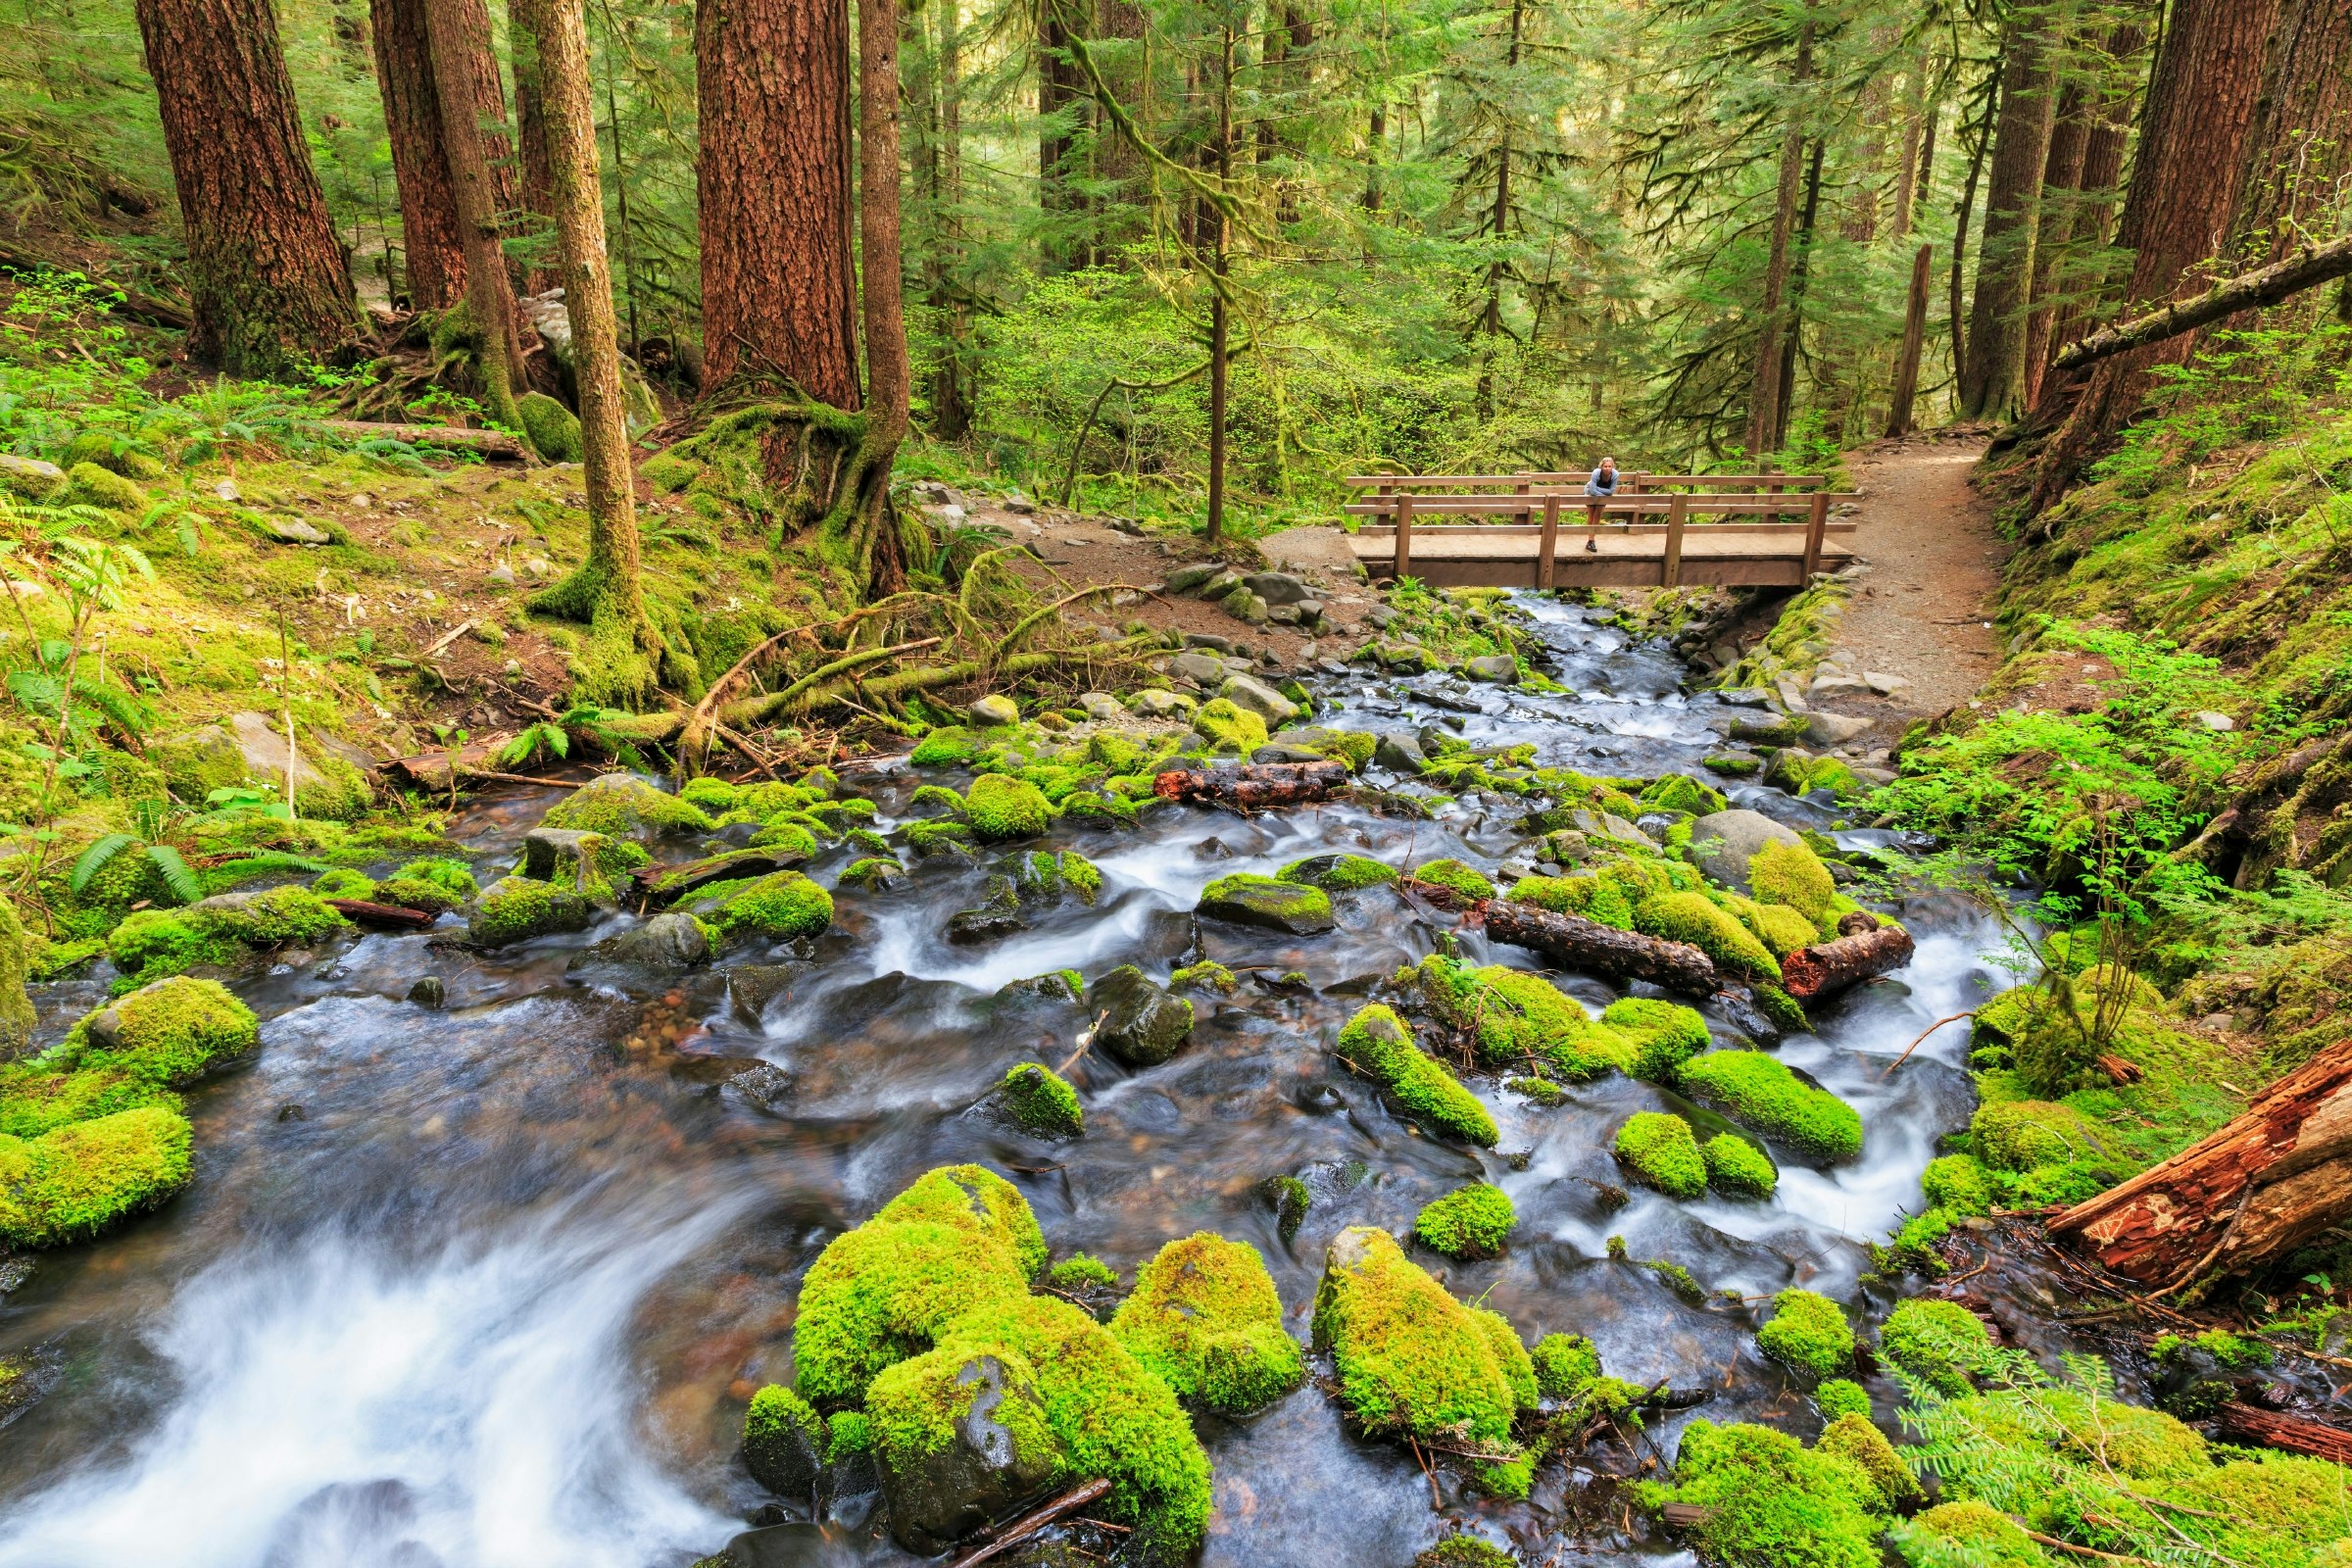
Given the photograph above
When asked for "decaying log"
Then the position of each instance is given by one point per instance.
(431, 771)
(1254, 785)
(658, 884)
(1811, 973)
(2249, 1193)
(386, 916)
(2239, 1422)
(489, 443)
(1602, 950)
(2120, 1071)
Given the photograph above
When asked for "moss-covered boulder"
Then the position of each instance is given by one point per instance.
(1760, 1092)
(168, 1034)
(1246, 899)
(1515, 1017)
(1205, 1320)
(1469, 1222)
(553, 429)
(1808, 1334)
(1412, 1361)
(1695, 918)
(1041, 1101)
(434, 885)
(1142, 1023)
(1854, 1438)
(1454, 883)
(1229, 727)
(516, 909)
(90, 485)
(1000, 807)
(1970, 1531)
(1768, 1502)
(1566, 1364)
(1659, 1149)
(1957, 1185)
(1793, 876)
(1595, 898)
(1939, 1342)
(1737, 1169)
(2020, 1134)
(780, 906)
(622, 806)
(783, 1442)
(1376, 1044)
(221, 931)
(74, 1181)
(1338, 873)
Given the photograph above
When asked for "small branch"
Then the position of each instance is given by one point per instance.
(1023, 1528)
(1923, 1040)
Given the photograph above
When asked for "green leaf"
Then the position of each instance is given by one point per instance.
(177, 875)
(94, 860)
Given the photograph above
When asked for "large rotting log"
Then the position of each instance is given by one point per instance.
(2238, 1422)
(1255, 785)
(493, 444)
(1811, 973)
(383, 917)
(1602, 950)
(2260, 1187)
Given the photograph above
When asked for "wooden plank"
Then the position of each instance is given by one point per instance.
(1813, 531)
(1425, 481)
(1404, 534)
(1631, 531)
(1512, 504)
(1524, 515)
(1675, 519)
(1547, 554)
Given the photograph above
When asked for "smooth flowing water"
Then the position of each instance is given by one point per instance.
(485, 1288)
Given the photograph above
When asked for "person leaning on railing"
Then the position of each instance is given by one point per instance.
(1599, 488)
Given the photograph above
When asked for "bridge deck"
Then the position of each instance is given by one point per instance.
(1512, 556)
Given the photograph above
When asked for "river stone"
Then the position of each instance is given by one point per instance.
(1742, 833)
(1143, 1024)
(1213, 642)
(1399, 752)
(980, 1473)
(1276, 587)
(994, 710)
(567, 856)
(1492, 667)
(1402, 659)
(1774, 732)
(1218, 586)
(1884, 683)
(995, 917)
(1284, 907)
(1205, 670)
(750, 987)
(1786, 769)
(430, 992)
(668, 942)
(1153, 702)
(1833, 729)
(1285, 752)
(1254, 695)
(1184, 580)
(1102, 705)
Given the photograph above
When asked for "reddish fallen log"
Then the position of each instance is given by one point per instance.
(1254, 785)
(2260, 1187)
(2238, 1422)
(1810, 973)
(1603, 950)
(384, 916)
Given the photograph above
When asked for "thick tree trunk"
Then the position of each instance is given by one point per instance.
(1061, 92)
(2093, 211)
(1968, 205)
(2200, 109)
(2062, 182)
(1915, 340)
(623, 659)
(461, 48)
(1828, 968)
(2244, 1198)
(1220, 356)
(428, 206)
(879, 558)
(1915, 131)
(1800, 269)
(950, 407)
(2300, 142)
(2236, 296)
(535, 188)
(1763, 412)
(1602, 950)
(1992, 377)
(266, 274)
(779, 296)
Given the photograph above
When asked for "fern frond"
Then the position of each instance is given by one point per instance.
(177, 875)
(94, 860)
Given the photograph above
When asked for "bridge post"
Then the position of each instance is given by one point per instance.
(1816, 522)
(1547, 557)
(1678, 513)
(1404, 534)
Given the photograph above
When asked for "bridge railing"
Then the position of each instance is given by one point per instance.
(1629, 483)
(1668, 514)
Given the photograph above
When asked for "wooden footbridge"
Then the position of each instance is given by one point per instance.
(1529, 530)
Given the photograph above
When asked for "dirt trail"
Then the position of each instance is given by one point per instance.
(1921, 611)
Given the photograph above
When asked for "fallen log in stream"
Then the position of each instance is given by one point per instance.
(1602, 950)
(1812, 974)
(1254, 785)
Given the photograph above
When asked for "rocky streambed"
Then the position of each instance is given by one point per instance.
(489, 1247)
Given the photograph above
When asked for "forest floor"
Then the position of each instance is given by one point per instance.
(1925, 608)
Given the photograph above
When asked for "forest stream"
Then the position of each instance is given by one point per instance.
(487, 1285)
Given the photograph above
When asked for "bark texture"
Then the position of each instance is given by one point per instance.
(1992, 379)
(2062, 183)
(1061, 89)
(428, 206)
(2200, 109)
(2245, 1196)
(779, 296)
(1824, 970)
(1602, 950)
(488, 321)
(2268, 286)
(1255, 785)
(879, 556)
(1915, 341)
(623, 659)
(2236, 1422)
(266, 274)
(2300, 142)
(1763, 402)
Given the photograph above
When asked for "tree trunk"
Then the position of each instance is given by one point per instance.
(1253, 786)
(1915, 339)
(2244, 1198)
(1915, 135)
(2062, 183)
(1799, 268)
(1376, 141)
(878, 552)
(1763, 414)
(1992, 377)
(535, 190)
(623, 660)
(2094, 211)
(2236, 296)
(779, 296)
(428, 206)
(459, 31)
(951, 408)
(1060, 88)
(2200, 108)
(1121, 214)
(1828, 968)
(266, 274)
(1968, 207)
(2300, 141)
(1602, 950)
(1219, 328)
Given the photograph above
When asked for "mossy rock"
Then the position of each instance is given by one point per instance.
(1377, 1045)
(1659, 1151)
(1245, 898)
(1469, 1222)
(1676, 792)
(1770, 1502)
(1229, 728)
(170, 1034)
(1514, 1017)
(1854, 1438)
(1338, 873)
(1939, 1342)
(1001, 808)
(96, 446)
(783, 1442)
(1566, 1364)
(1461, 884)
(221, 931)
(1041, 1101)
(1969, 1531)
(1808, 1334)
(1465, 1551)
(71, 1183)
(1206, 975)
(951, 745)
(2021, 1135)
(516, 908)
(1957, 1184)
(1081, 1272)
(1792, 875)
(1737, 1169)
(1658, 1035)
(37, 1096)
(1841, 1396)
(1695, 918)
(1762, 1094)
(780, 906)
(90, 485)
(1782, 929)
(1205, 1320)
(1593, 897)
(1412, 1361)
(553, 430)
(620, 806)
